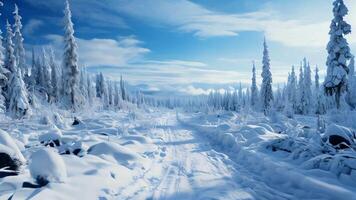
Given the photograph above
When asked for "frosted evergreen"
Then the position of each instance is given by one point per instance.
(266, 88)
(338, 53)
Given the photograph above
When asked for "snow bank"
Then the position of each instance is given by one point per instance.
(9, 146)
(47, 165)
(114, 152)
(138, 138)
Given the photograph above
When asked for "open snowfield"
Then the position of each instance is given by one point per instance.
(164, 155)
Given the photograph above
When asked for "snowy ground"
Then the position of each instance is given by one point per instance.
(162, 155)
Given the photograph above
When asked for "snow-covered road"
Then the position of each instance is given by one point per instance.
(156, 155)
(190, 168)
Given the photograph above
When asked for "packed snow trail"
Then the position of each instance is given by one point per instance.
(189, 168)
(156, 155)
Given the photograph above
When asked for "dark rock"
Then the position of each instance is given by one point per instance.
(41, 181)
(76, 121)
(8, 163)
(51, 143)
(76, 151)
(339, 141)
(4, 174)
(30, 185)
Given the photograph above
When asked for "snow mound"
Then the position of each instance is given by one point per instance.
(47, 165)
(224, 127)
(10, 146)
(255, 130)
(114, 152)
(138, 138)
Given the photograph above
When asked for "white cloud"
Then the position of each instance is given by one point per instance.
(191, 90)
(105, 52)
(32, 25)
(193, 18)
(190, 17)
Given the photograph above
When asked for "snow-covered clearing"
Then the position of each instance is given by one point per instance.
(163, 155)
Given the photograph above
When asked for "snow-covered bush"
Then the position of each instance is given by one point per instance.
(339, 136)
(76, 148)
(52, 138)
(46, 166)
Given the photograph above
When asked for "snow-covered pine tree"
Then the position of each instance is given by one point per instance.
(240, 94)
(35, 70)
(10, 59)
(91, 91)
(123, 90)
(338, 53)
(83, 83)
(301, 92)
(19, 49)
(100, 83)
(307, 87)
(254, 89)
(10, 62)
(55, 76)
(19, 105)
(70, 63)
(105, 95)
(110, 93)
(45, 79)
(316, 82)
(266, 88)
(3, 74)
(351, 92)
(117, 96)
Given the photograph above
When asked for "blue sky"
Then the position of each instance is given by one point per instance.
(187, 46)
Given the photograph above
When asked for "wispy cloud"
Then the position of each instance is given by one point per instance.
(32, 25)
(105, 52)
(186, 16)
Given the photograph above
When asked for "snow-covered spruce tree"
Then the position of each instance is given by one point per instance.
(100, 83)
(117, 96)
(45, 75)
(83, 83)
(123, 90)
(301, 94)
(254, 89)
(316, 82)
(307, 87)
(19, 105)
(266, 88)
(105, 97)
(110, 93)
(10, 62)
(235, 102)
(70, 63)
(3, 74)
(55, 76)
(91, 91)
(35, 70)
(240, 95)
(351, 92)
(293, 89)
(19, 49)
(338, 53)
(10, 59)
